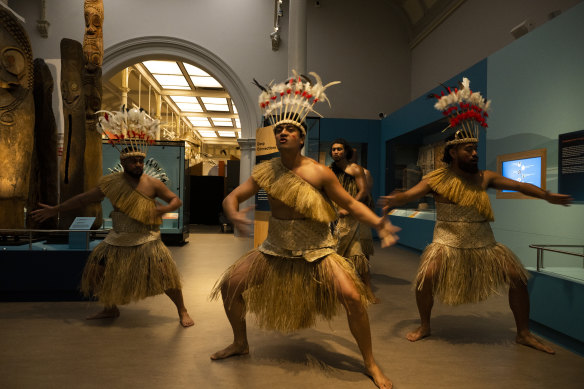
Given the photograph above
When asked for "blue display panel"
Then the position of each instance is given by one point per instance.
(169, 159)
(526, 170)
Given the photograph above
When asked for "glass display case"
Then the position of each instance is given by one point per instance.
(408, 158)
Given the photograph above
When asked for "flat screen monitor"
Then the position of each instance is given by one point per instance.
(525, 166)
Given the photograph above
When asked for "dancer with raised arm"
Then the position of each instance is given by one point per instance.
(464, 263)
(131, 263)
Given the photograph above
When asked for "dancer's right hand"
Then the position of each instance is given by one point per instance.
(44, 213)
(241, 222)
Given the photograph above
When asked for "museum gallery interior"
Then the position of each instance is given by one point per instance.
(89, 87)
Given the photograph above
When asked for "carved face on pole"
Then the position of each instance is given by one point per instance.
(15, 73)
(93, 39)
(71, 83)
(16, 120)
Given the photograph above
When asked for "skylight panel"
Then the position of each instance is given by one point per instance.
(185, 99)
(207, 134)
(234, 107)
(217, 107)
(222, 122)
(171, 82)
(205, 82)
(195, 71)
(199, 122)
(162, 67)
(189, 107)
(227, 134)
(214, 100)
(237, 123)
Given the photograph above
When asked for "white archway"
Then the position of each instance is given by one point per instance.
(127, 53)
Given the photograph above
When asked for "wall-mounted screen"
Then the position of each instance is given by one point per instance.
(525, 166)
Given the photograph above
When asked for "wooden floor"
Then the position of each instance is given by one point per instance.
(50, 345)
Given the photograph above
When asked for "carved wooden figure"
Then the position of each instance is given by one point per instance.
(92, 87)
(44, 171)
(16, 120)
(72, 167)
(93, 38)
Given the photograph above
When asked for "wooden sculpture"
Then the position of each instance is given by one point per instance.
(16, 120)
(72, 167)
(44, 169)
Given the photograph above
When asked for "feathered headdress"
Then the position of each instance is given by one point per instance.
(130, 131)
(466, 111)
(292, 100)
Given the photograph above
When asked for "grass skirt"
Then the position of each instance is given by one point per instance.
(287, 294)
(366, 239)
(117, 275)
(348, 231)
(469, 275)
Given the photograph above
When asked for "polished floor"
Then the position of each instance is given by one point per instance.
(50, 345)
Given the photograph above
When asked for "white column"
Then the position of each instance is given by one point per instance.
(246, 164)
(297, 36)
(125, 89)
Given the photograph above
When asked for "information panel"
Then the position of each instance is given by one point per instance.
(571, 164)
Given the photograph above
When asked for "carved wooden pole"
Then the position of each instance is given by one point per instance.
(72, 169)
(92, 87)
(16, 120)
(44, 172)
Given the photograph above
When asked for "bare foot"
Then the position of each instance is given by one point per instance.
(380, 380)
(531, 341)
(418, 334)
(106, 313)
(185, 319)
(230, 351)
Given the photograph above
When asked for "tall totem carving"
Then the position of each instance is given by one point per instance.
(92, 88)
(16, 120)
(44, 169)
(72, 168)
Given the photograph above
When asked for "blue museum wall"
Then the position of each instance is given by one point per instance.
(417, 233)
(421, 112)
(358, 131)
(536, 85)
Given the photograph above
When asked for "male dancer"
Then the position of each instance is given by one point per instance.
(348, 229)
(131, 263)
(296, 274)
(464, 263)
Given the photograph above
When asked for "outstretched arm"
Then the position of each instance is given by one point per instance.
(421, 189)
(232, 201)
(94, 195)
(332, 187)
(497, 181)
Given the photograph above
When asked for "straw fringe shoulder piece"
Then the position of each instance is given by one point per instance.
(446, 183)
(131, 263)
(282, 184)
(290, 279)
(468, 264)
(133, 203)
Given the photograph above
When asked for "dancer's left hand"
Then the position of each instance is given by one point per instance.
(387, 232)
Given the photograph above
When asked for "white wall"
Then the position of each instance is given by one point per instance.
(357, 43)
(474, 31)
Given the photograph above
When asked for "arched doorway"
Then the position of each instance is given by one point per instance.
(128, 52)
